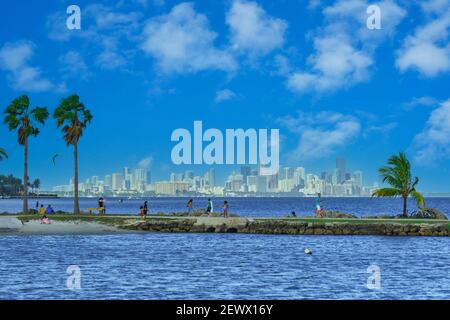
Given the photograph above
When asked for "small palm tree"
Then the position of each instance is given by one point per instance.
(73, 117)
(398, 175)
(3, 154)
(19, 116)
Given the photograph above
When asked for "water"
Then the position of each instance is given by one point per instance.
(249, 207)
(224, 266)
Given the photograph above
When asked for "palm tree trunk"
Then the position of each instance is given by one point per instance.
(405, 212)
(76, 205)
(25, 176)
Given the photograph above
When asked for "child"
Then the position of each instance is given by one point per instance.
(45, 220)
(42, 209)
(142, 212)
(225, 209)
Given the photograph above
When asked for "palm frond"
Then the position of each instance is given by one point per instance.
(418, 197)
(3, 154)
(386, 192)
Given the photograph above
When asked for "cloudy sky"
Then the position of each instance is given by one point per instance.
(310, 68)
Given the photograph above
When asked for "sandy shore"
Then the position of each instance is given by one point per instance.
(12, 225)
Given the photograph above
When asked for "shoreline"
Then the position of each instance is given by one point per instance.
(88, 224)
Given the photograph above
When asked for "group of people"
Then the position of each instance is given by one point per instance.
(143, 210)
(42, 210)
(209, 207)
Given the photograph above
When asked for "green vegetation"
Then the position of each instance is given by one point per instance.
(10, 185)
(73, 117)
(18, 116)
(398, 174)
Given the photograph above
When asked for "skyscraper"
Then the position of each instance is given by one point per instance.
(341, 167)
(117, 181)
(246, 171)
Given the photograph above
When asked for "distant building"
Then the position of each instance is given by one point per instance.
(171, 188)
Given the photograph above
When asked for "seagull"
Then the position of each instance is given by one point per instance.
(308, 251)
(54, 158)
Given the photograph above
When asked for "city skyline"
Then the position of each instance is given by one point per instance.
(341, 181)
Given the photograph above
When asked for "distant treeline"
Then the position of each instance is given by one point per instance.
(12, 186)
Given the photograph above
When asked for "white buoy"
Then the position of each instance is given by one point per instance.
(308, 251)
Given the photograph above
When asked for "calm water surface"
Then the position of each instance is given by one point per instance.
(224, 266)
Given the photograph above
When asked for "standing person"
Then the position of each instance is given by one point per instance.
(209, 207)
(37, 205)
(42, 209)
(142, 212)
(145, 207)
(225, 209)
(101, 205)
(319, 205)
(189, 205)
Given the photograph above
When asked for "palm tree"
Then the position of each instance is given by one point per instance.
(36, 184)
(19, 116)
(3, 154)
(398, 175)
(73, 117)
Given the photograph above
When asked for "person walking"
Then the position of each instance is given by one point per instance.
(209, 207)
(189, 205)
(145, 207)
(319, 209)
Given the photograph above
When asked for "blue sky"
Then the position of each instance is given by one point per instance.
(310, 68)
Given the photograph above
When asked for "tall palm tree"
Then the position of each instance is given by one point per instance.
(73, 117)
(18, 115)
(3, 154)
(398, 175)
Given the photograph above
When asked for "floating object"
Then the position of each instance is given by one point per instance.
(308, 251)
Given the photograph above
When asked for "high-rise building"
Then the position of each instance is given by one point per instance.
(117, 181)
(107, 180)
(341, 166)
(140, 179)
(246, 171)
(210, 178)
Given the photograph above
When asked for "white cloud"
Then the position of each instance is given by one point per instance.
(320, 134)
(344, 47)
(181, 42)
(15, 60)
(73, 66)
(433, 143)
(420, 101)
(336, 63)
(224, 95)
(145, 162)
(103, 28)
(253, 31)
(428, 50)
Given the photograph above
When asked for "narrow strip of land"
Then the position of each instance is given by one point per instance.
(98, 224)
